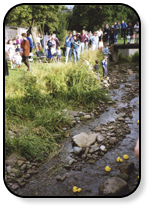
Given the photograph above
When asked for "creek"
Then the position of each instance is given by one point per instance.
(89, 176)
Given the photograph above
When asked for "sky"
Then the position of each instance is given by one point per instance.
(68, 6)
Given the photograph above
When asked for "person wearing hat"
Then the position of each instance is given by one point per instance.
(26, 50)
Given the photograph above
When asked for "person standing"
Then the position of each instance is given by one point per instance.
(104, 66)
(136, 27)
(82, 39)
(30, 43)
(75, 45)
(49, 43)
(100, 34)
(18, 40)
(123, 28)
(93, 41)
(68, 45)
(106, 34)
(26, 50)
(129, 32)
(116, 31)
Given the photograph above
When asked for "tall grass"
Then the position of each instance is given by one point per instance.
(34, 102)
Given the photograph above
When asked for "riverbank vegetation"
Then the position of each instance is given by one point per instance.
(34, 102)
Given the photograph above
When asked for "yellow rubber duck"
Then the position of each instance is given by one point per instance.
(118, 159)
(121, 160)
(75, 189)
(138, 103)
(138, 122)
(126, 157)
(107, 168)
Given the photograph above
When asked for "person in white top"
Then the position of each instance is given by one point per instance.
(17, 59)
(11, 51)
(136, 27)
(100, 34)
(58, 54)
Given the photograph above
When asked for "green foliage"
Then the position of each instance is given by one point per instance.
(122, 59)
(135, 57)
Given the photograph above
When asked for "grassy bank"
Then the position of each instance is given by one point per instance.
(34, 102)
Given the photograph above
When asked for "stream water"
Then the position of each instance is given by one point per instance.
(89, 176)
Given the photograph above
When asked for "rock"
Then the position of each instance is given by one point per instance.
(14, 170)
(11, 160)
(9, 169)
(71, 161)
(83, 156)
(74, 113)
(63, 178)
(102, 148)
(23, 167)
(22, 184)
(121, 119)
(64, 129)
(112, 134)
(87, 116)
(58, 178)
(73, 122)
(64, 111)
(15, 186)
(100, 138)
(26, 176)
(86, 151)
(77, 150)
(112, 140)
(12, 174)
(93, 148)
(97, 129)
(109, 102)
(84, 139)
(31, 171)
(20, 180)
(91, 161)
(67, 133)
(123, 176)
(130, 116)
(113, 186)
(77, 118)
(20, 162)
(127, 168)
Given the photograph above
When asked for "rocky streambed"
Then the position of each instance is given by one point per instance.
(110, 131)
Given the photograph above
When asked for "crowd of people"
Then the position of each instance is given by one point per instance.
(75, 44)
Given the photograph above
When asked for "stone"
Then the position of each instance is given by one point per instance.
(15, 186)
(109, 102)
(127, 168)
(74, 113)
(86, 151)
(71, 161)
(11, 160)
(91, 161)
(14, 170)
(73, 122)
(58, 178)
(123, 176)
(121, 119)
(31, 171)
(63, 178)
(112, 140)
(23, 166)
(97, 129)
(102, 148)
(84, 139)
(77, 118)
(87, 116)
(77, 150)
(12, 174)
(9, 169)
(93, 148)
(67, 166)
(100, 138)
(64, 129)
(20, 162)
(22, 184)
(113, 186)
(67, 133)
(26, 176)
(20, 180)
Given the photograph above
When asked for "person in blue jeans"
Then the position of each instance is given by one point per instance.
(68, 45)
(75, 44)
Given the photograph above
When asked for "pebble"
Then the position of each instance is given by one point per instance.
(102, 147)
(9, 169)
